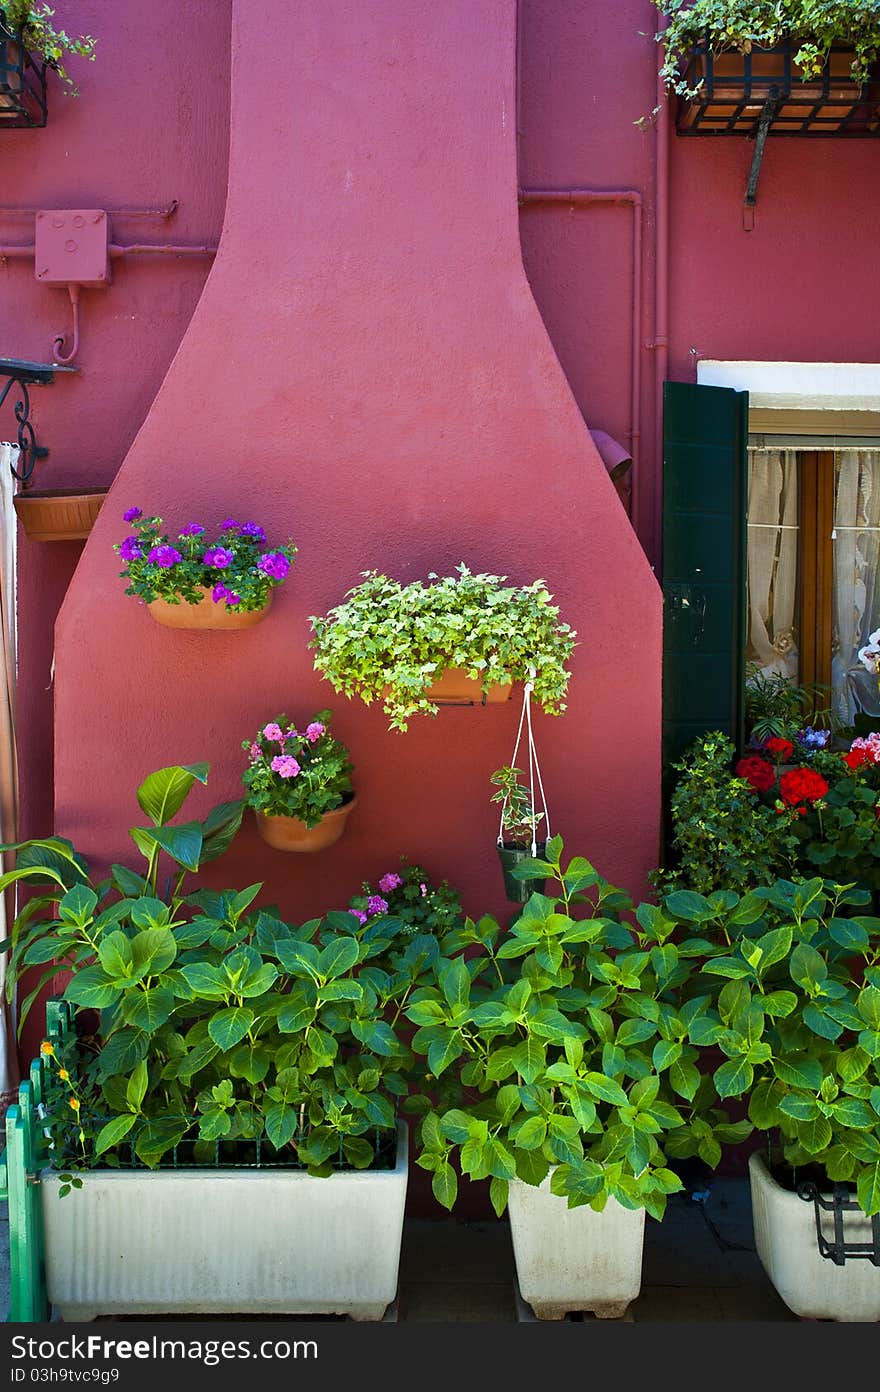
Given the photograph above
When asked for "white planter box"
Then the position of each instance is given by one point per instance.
(810, 1284)
(206, 1241)
(570, 1259)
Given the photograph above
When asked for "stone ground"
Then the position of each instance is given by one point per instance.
(699, 1265)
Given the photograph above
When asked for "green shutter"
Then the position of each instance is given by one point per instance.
(705, 431)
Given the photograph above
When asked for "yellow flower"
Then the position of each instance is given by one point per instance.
(47, 1048)
(63, 1074)
(73, 1103)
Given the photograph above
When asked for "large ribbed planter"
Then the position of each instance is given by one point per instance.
(291, 834)
(62, 514)
(225, 1241)
(574, 1259)
(206, 614)
(811, 1285)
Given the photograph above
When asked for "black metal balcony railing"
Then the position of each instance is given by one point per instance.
(22, 82)
(739, 91)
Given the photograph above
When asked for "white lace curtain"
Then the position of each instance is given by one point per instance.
(773, 570)
(8, 765)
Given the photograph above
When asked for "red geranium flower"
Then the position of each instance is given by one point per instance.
(781, 749)
(757, 772)
(802, 785)
(856, 758)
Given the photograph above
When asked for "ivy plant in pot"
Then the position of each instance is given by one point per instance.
(559, 1066)
(458, 639)
(299, 784)
(789, 991)
(229, 1083)
(191, 581)
(814, 29)
(517, 839)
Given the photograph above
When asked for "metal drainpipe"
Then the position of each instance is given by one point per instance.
(583, 197)
(115, 252)
(660, 342)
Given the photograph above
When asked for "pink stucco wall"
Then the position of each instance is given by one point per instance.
(367, 370)
(150, 126)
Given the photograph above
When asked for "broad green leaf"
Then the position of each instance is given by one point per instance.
(281, 1123)
(114, 954)
(338, 958)
(606, 1089)
(734, 1077)
(814, 1135)
(219, 829)
(807, 967)
(379, 1037)
(529, 1134)
(821, 1024)
(91, 987)
(801, 1108)
(78, 904)
(498, 1193)
(455, 982)
(687, 906)
(800, 1071)
(868, 1190)
(498, 1159)
(163, 793)
(153, 951)
(635, 1032)
(183, 843)
(136, 1090)
(764, 1104)
(228, 1027)
(114, 1132)
(868, 1004)
(852, 1111)
(529, 1059)
(442, 1052)
(130, 885)
(148, 1010)
(205, 981)
(684, 1077)
(158, 1136)
(665, 1053)
(445, 1185)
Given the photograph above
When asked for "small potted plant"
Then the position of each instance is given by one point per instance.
(214, 1080)
(795, 1010)
(191, 581)
(458, 639)
(299, 784)
(558, 1066)
(518, 836)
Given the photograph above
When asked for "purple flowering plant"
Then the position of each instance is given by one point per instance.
(297, 771)
(234, 563)
(409, 897)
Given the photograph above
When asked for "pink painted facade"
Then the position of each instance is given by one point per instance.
(369, 369)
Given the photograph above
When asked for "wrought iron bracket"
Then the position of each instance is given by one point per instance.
(24, 375)
(765, 120)
(840, 1202)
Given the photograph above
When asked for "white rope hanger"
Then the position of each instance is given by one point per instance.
(534, 768)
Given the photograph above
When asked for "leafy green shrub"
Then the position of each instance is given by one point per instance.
(562, 1048)
(724, 836)
(219, 1023)
(789, 991)
(389, 641)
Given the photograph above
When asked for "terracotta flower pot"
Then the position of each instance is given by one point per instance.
(291, 834)
(59, 514)
(455, 688)
(206, 614)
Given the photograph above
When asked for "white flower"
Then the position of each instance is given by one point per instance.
(869, 655)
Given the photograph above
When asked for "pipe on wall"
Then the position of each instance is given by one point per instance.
(586, 198)
(660, 342)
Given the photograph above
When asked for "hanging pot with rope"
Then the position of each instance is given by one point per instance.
(517, 830)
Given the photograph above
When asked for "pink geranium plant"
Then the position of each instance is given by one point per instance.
(297, 772)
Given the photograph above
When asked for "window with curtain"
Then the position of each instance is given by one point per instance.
(813, 543)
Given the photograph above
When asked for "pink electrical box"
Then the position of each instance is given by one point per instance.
(72, 247)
